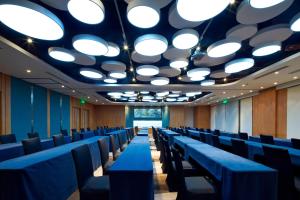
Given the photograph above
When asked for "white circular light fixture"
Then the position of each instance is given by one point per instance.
(170, 99)
(197, 78)
(30, 19)
(110, 80)
(223, 48)
(91, 73)
(159, 81)
(113, 50)
(148, 97)
(151, 44)
(90, 44)
(147, 70)
(295, 23)
(266, 49)
(185, 39)
(159, 98)
(183, 98)
(264, 3)
(190, 94)
(179, 63)
(114, 93)
(162, 94)
(61, 54)
(87, 11)
(131, 100)
(129, 95)
(145, 92)
(173, 95)
(117, 74)
(239, 65)
(208, 82)
(200, 10)
(143, 13)
(198, 72)
(129, 92)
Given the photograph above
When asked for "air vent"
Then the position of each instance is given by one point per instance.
(271, 72)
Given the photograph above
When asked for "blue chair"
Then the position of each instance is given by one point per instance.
(73, 130)
(114, 147)
(64, 132)
(76, 137)
(90, 187)
(33, 135)
(217, 132)
(31, 145)
(215, 141)
(239, 147)
(203, 138)
(266, 139)
(104, 153)
(295, 143)
(243, 136)
(10, 138)
(58, 140)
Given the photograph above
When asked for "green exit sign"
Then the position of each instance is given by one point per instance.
(225, 101)
(82, 101)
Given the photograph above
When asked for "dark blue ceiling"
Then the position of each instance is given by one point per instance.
(110, 30)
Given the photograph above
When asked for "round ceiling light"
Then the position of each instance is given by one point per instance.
(199, 10)
(295, 23)
(87, 11)
(131, 100)
(197, 78)
(114, 93)
(117, 74)
(113, 50)
(61, 54)
(190, 94)
(264, 3)
(173, 95)
(159, 98)
(147, 70)
(129, 92)
(145, 92)
(223, 48)
(90, 45)
(129, 95)
(183, 98)
(239, 65)
(91, 73)
(208, 82)
(143, 13)
(30, 19)
(198, 72)
(151, 44)
(266, 49)
(185, 39)
(159, 81)
(110, 80)
(171, 99)
(179, 63)
(148, 97)
(162, 94)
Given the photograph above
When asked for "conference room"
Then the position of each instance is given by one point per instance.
(149, 99)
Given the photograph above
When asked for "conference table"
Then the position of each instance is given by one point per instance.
(170, 135)
(131, 175)
(240, 178)
(48, 174)
(277, 141)
(143, 132)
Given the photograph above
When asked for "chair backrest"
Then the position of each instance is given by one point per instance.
(10, 138)
(74, 130)
(179, 169)
(75, 137)
(88, 129)
(295, 143)
(239, 147)
(215, 141)
(31, 145)
(104, 151)
(121, 145)
(58, 140)
(217, 132)
(266, 139)
(83, 164)
(195, 137)
(33, 135)
(203, 138)
(243, 136)
(114, 145)
(64, 132)
(82, 130)
(168, 156)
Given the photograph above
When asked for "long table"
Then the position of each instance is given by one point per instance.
(49, 174)
(131, 175)
(170, 135)
(143, 132)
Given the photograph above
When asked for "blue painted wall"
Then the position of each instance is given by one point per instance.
(66, 112)
(40, 110)
(165, 116)
(129, 116)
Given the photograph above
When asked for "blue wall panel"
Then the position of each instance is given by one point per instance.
(55, 113)
(40, 110)
(165, 116)
(129, 115)
(66, 112)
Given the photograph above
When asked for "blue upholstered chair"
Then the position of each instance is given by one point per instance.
(10, 138)
(104, 152)
(114, 146)
(33, 135)
(122, 146)
(58, 140)
(266, 139)
(75, 137)
(90, 187)
(243, 136)
(215, 141)
(64, 132)
(239, 147)
(295, 143)
(31, 145)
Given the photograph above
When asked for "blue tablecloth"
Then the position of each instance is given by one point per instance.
(170, 134)
(241, 179)
(48, 174)
(140, 139)
(183, 141)
(277, 141)
(194, 133)
(143, 132)
(87, 134)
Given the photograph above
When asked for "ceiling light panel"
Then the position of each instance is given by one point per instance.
(113, 50)
(90, 45)
(147, 70)
(91, 73)
(267, 49)
(264, 3)
(198, 72)
(179, 63)
(61, 54)
(185, 39)
(117, 74)
(239, 65)
(223, 48)
(151, 44)
(159, 81)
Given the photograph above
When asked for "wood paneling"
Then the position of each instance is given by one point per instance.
(176, 116)
(202, 116)
(281, 110)
(5, 120)
(111, 116)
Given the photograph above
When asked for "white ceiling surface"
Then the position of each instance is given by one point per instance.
(15, 61)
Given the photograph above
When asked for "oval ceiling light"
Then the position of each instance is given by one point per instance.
(145, 92)
(162, 94)
(151, 44)
(113, 50)
(190, 94)
(197, 78)
(159, 81)
(198, 72)
(295, 23)
(87, 11)
(110, 80)
(179, 63)
(223, 48)
(239, 65)
(148, 97)
(90, 44)
(114, 93)
(91, 73)
(264, 3)
(267, 49)
(31, 19)
(200, 10)
(61, 54)
(171, 99)
(173, 95)
(129, 95)
(117, 74)
(143, 13)
(208, 82)
(185, 39)
(147, 70)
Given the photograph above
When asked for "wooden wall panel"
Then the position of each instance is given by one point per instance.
(281, 110)
(111, 116)
(5, 118)
(176, 116)
(202, 116)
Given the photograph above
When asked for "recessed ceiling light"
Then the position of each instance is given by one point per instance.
(29, 40)
(147, 70)
(250, 91)
(133, 79)
(114, 93)
(185, 39)
(110, 80)
(196, 11)
(88, 97)
(197, 78)
(275, 83)
(31, 19)
(244, 85)
(143, 13)
(125, 47)
(159, 81)
(113, 50)
(161, 94)
(117, 74)
(179, 78)
(239, 65)
(61, 54)
(144, 92)
(295, 77)
(266, 49)
(264, 3)
(151, 44)
(131, 69)
(223, 48)
(261, 87)
(91, 73)
(87, 11)
(208, 82)
(73, 91)
(28, 71)
(242, 93)
(295, 23)
(179, 63)
(198, 72)
(96, 100)
(62, 86)
(90, 45)
(277, 72)
(224, 92)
